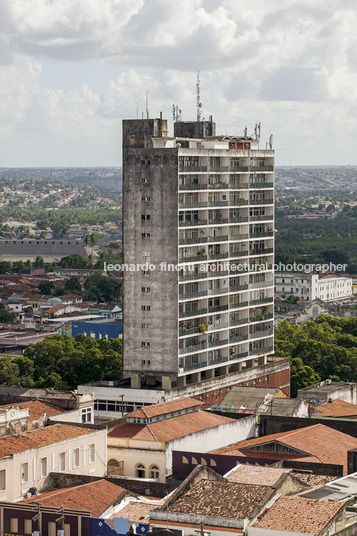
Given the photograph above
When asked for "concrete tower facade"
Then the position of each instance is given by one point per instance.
(198, 253)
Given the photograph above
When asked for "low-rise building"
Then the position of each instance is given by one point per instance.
(142, 447)
(311, 286)
(328, 390)
(27, 459)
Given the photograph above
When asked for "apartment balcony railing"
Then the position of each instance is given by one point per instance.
(189, 295)
(218, 203)
(193, 258)
(238, 254)
(193, 348)
(258, 351)
(266, 234)
(192, 169)
(192, 223)
(260, 334)
(218, 221)
(238, 185)
(218, 360)
(258, 169)
(238, 322)
(261, 251)
(190, 276)
(196, 240)
(236, 357)
(261, 284)
(193, 204)
(218, 169)
(238, 305)
(198, 312)
(218, 185)
(217, 308)
(261, 185)
(217, 326)
(238, 219)
(218, 238)
(236, 237)
(188, 331)
(214, 256)
(237, 288)
(243, 169)
(261, 301)
(262, 319)
(238, 202)
(193, 186)
(261, 201)
(238, 338)
(213, 344)
(215, 291)
(218, 273)
(195, 366)
(261, 218)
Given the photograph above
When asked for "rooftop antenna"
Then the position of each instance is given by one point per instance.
(198, 96)
(257, 130)
(271, 142)
(147, 105)
(176, 113)
(137, 110)
(245, 132)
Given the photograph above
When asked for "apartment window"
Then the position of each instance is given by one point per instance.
(145, 217)
(145, 235)
(43, 467)
(145, 180)
(62, 461)
(3, 479)
(92, 453)
(145, 199)
(87, 415)
(145, 326)
(24, 473)
(154, 471)
(28, 526)
(145, 344)
(140, 471)
(146, 290)
(75, 458)
(145, 307)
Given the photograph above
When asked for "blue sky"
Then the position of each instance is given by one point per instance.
(70, 70)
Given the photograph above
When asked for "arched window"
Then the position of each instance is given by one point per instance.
(154, 471)
(115, 467)
(140, 471)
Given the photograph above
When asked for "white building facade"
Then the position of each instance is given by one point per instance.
(308, 286)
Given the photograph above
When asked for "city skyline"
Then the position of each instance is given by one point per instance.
(71, 70)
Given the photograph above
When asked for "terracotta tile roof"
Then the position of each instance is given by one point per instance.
(297, 514)
(336, 408)
(137, 511)
(322, 442)
(164, 408)
(40, 438)
(259, 476)
(96, 497)
(169, 429)
(313, 480)
(221, 499)
(36, 408)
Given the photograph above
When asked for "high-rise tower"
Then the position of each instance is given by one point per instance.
(198, 253)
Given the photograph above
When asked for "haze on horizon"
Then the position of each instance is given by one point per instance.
(71, 70)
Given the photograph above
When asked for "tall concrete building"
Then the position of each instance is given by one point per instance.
(198, 253)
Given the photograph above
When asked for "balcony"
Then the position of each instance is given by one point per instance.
(217, 326)
(217, 308)
(218, 273)
(193, 204)
(193, 258)
(218, 221)
(241, 169)
(192, 169)
(213, 344)
(193, 223)
(239, 185)
(195, 366)
(260, 351)
(215, 291)
(214, 256)
(238, 202)
(261, 202)
(261, 251)
(238, 219)
(196, 240)
(238, 288)
(239, 305)
(189, 314)
(193, 348)
(238, 237)
(261, 334)
(238, 338)
(189, 331)
(218, 203)
(236, 357)
(258, 169)
(218, 360)
(262, 235)
(261, 284)
(192, 187)
(218, 185)
(261, 218)
(190, 295)
(238, 254)
(191, 276)
(217, 238)
(261, 185)
(218, 169)
(238, 322)
(261, 301)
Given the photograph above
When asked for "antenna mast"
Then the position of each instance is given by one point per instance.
(147, 105)
(198, 96)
